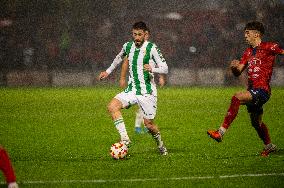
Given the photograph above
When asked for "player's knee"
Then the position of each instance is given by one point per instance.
(151, 126)
(112, 107)
(148, 123)
(237, 95)
(255, 124)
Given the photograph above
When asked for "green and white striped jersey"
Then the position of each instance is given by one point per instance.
(140, 81)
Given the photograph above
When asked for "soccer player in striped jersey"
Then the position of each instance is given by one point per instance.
(258, 59)
(141, 89)
(123, 83)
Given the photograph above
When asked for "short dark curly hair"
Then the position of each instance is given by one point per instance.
(140, 25)
(255, 25)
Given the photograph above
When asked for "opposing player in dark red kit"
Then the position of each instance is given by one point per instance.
(7, 169)
(258, 59)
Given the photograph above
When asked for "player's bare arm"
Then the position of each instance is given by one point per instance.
(237, 68)
(162, 80)
(123, 73)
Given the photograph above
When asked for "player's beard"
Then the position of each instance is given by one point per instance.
(138, 44)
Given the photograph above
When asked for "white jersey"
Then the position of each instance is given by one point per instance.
(141, 81)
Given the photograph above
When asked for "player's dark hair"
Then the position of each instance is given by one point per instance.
(258, 26)
(140, 25)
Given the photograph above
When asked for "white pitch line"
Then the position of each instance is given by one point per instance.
(251, 175)
(147, 179)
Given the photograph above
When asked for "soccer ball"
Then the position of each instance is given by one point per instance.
(118, 150)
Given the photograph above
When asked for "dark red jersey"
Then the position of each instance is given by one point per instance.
(259, 62)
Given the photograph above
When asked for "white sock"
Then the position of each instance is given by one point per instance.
(120, 126)
(222, 130)
(13, 185)
(158, 139)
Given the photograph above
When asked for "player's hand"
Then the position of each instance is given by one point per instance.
(148, 68)
(235, 63)
(122, 83)
(235, 67)
(103, 75)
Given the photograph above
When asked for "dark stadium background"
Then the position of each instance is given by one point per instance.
(43, 38)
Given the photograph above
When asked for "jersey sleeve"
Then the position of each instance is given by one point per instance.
(245, 57)
(117, 60)
(160, 62)
(276, 49)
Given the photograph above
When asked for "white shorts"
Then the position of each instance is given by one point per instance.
(147, 103)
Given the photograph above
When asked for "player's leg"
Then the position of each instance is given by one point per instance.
(148, 105)
(238, 99)
(138, 121)
(154, 131)
(120, 101)
(114, 108)
(256, 111)
(260, 127)
(263, 133)
(7, 169)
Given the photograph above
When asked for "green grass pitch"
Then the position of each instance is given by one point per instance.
(60, 137)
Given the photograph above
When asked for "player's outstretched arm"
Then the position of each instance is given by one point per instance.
(237, 68)
(117, 60)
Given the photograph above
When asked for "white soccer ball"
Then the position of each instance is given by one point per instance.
(118, 150)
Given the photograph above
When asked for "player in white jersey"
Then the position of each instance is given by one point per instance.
(123, 84)
(141, 89)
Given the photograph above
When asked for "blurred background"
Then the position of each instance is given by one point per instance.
(68, 42)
